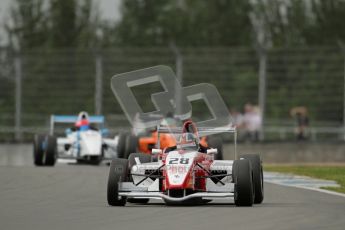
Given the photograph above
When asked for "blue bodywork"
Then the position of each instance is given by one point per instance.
(72, 119)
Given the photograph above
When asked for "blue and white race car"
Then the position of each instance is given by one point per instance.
(84, 142)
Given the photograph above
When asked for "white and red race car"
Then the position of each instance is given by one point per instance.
(185, 173)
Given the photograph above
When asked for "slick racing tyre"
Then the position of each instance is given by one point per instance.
(121, 145)
(50, 151)
(143, 158)
(242, 177)
(258, 179)
(131, 145)
(216, 142)
(118, 172)
(38, 150)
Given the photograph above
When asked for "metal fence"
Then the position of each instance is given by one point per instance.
(35, 84)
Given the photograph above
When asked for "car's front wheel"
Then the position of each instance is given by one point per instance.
(118, 172)
(258, 178)
(243, 179)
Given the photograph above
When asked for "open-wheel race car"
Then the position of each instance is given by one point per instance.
(186, 173)
(84, 141)
(144, 140)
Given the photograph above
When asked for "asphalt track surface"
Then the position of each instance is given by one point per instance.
(74, 197)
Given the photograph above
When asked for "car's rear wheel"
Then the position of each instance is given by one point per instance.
(143, 158)
(50, 151)
(118, 172)
(243, 179)
(216, 142)
(121, 145)
(131, 145)
(38, 150)
(258, 179)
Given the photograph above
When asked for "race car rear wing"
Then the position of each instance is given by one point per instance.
(203, 131)
(67, 119)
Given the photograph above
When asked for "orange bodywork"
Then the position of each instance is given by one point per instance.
(147, 143)
(166, 140)
(203, 142)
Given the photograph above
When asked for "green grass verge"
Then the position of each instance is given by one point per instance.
(335, 173)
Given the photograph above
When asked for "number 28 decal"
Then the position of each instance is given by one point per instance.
(182, 160)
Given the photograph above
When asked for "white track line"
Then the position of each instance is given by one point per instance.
(302, 182)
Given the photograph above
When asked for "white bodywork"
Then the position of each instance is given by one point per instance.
(85, 144)
(149, 188)
(178, 166)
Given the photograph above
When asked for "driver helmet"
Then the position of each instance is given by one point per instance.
(189, 134)
(83, 121)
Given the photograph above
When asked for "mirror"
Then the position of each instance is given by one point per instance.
(212, 151)
(68, 132)
(156, 151)
(104, 132)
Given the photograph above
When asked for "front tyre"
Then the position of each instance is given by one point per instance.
(258, 178)
(118, 172)
(242, 177)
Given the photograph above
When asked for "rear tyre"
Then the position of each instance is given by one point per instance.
(121, 145)
(242, 177)
(38, 150)
(258, 179)
(50, 151)
(131, 145)
(144, 158)
(118, 172)
(216, 142)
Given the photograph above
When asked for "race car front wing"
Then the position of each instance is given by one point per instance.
(213, 191)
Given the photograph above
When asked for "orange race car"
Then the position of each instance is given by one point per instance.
(146, 141)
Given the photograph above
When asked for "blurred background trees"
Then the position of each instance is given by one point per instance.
(58, 42)
(76, 23)
(52, 24)
(227, 23)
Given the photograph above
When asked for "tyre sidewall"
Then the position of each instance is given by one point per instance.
(38, 151)
(131, 145)
(121, 145)
(242, 177)
(118, 172)
(256, 164)
(50, 152)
